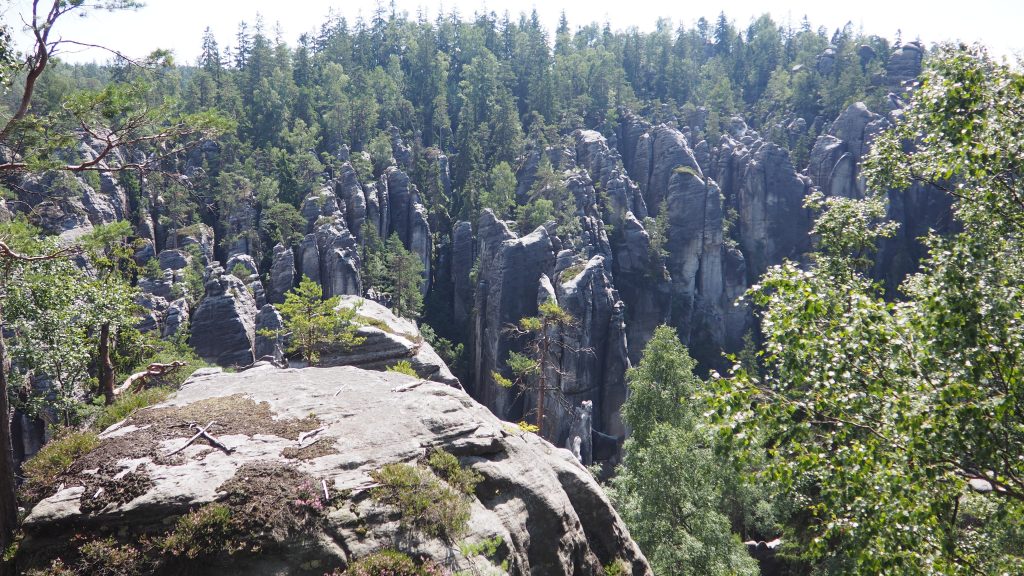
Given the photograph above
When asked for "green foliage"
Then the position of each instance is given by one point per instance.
(403, 367)
(617, 567)
(283, 223)
(530, 369)
(41, 471)
(454, 355)
(241, 272)
(316, 324)
(499, 195)
(491, 548)
(108, 558)
(405, 279)
(373, 262)
(882, 413)
(671, 484)
(535, 213)
(662, 387)
(424, 503)
(448, 467)
(380, 153)
(203, 532)
(128, 403)
(527, 427)
(389, 563)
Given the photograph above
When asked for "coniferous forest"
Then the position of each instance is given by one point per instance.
(744, 298)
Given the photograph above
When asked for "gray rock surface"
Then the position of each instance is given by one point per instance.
(592, 368)
(387, 340)
(282, 274)
(350, 194)
(339, 259)
(224, 324)
(691, 290)
(269, 333)
(509, 272)
(552, 517)
(904, 64)
(244, 261)
(176, 318)
(462, 266)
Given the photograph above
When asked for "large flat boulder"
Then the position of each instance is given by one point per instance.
(302, 451)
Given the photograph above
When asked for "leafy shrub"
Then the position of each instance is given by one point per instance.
(107, 558)
(490, 548)
(128, 403)
(241, 272)
(403, 367)
(423, 501)
(43, 469)
(390, 563)
(202, 532)
(56, 568)
(617, 567)
(451, 471)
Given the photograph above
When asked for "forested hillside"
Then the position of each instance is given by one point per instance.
(546, 206)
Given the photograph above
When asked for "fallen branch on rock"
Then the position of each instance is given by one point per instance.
(134, 382)
(303, 436)
(202, 433)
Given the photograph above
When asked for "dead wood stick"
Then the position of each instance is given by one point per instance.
(327, 495)
(311, 433)
(214, 441)
(201, 432)
(311, 443)
(154, 369)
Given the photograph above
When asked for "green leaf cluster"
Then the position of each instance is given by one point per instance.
(894, 426)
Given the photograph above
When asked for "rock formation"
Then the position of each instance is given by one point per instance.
(224, 324)
(387, 340)
(299, 448)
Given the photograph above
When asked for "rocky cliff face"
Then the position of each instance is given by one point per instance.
(294, 474)
(668, 228)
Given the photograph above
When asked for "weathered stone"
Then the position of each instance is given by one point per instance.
(224, 324)
(593, 365)
(509, 271)
(269, 333)
(904, 64)
(199, 235)
(176, 318)
(282, 274)
(387, 340)
(462, 265)
(174, 260)
(552, 517)
(339, 260)
(350, 193)
(309, 258)
(246, 262)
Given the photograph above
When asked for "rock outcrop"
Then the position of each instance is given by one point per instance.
(385, 341)
(224, 324)
(701, 273)
(308, 499)
(510, 269)
(282, 276)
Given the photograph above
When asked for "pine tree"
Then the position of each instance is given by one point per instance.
(315, 324)
(405, 279)
(531, 370)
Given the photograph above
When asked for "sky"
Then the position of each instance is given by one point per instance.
(179, 24)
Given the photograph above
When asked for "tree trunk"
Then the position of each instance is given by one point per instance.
(543, 381)
(106, 366)
(8, 487)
